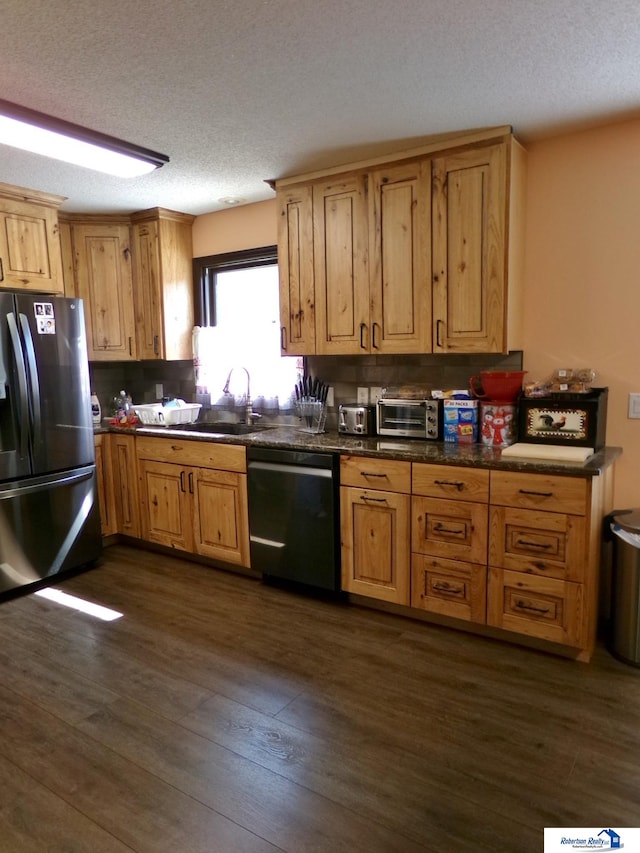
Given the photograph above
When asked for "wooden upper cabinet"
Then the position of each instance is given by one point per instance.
(30, 256)
(341, 271)
(163, 289)
(103, 279)
(414, 254)
(400, 258)
(477, 195)
(295, 264)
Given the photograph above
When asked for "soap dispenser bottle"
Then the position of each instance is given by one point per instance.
(96, 410)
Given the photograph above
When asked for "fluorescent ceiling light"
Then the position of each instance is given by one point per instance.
(51, 137)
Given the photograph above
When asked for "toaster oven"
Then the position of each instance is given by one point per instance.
(410, 418)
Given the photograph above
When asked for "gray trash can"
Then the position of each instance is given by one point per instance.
(624, 637)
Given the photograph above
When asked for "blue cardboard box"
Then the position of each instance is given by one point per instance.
(460, 421)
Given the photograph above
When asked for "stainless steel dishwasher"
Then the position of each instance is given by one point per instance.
(294, 525)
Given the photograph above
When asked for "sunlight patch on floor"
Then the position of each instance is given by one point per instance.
(97, 610)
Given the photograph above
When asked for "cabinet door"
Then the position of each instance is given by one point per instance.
(104, 282)
(166, 502)
(147, 290)
(29, 247)
(104, 480)
(125, 479)
(375, 544)
(163, 286)
(340, 263)
(400, 258)
(295, 265)
(220, 517)
(470, 251)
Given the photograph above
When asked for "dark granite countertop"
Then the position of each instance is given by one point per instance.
(409, 450)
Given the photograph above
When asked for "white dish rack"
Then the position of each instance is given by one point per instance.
(155, 414)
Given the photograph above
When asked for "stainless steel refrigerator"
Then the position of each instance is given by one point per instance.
(49, 517)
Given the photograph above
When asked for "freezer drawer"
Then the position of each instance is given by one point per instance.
(48, 525)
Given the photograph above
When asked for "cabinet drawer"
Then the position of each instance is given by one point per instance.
(453, 483)
(201, 454)
(538, 607)
(452, 529)
(542, 543)
(381, 474)
(449, 588)
(539, 491)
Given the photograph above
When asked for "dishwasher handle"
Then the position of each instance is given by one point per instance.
(296, 470)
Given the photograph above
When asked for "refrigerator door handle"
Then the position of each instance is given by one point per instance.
(33, 380)
(22, 382)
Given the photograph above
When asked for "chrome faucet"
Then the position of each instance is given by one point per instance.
(249, 413)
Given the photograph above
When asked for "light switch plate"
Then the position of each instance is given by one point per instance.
(159, 391)
(634, 405)
(363, 397)
(330, 397)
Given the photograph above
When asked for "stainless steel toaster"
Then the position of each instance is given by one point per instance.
(354, 419)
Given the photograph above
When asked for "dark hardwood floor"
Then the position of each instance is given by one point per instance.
(222, 715)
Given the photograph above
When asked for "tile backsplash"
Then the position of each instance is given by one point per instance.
(139, 379)
(345, 373)
(348, 373)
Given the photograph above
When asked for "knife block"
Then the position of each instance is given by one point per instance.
(312, 414)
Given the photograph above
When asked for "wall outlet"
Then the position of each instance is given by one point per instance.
(375, 393)
(330, 400)
(363, 397)
(634, 405)
(159, 391)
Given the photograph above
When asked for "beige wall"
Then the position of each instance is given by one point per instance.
(582, 264)
(246, 227)
(582, 259)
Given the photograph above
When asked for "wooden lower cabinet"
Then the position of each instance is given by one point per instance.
(544, 555)
(375, 543)
(449, 587)
(375, 526)
(450, 529)
(125, 478)
(104, 479)
(166, 517)
(195, 508)
(536, 606)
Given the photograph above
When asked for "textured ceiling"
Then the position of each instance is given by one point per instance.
(239, 91)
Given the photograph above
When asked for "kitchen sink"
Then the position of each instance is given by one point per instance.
(222, 428)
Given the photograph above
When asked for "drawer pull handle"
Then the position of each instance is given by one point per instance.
(440, 528)
(528, 544)
(536, 494)
(524, 605)
(455, 483)
(370, 474)
(452, 590)
(367, 499)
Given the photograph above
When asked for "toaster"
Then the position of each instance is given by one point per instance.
(354, 419)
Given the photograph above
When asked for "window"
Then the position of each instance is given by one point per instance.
(239, 327)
